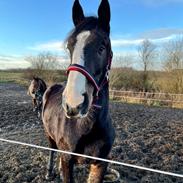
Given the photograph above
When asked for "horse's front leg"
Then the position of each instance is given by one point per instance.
(97, 172)
(34, 103)
(39, 108)
(50, 165)
(67, 163)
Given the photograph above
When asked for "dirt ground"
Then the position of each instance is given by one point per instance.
(145, 136)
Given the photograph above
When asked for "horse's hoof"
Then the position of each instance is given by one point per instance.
(111, 176)
(39, 115)
(49, 177)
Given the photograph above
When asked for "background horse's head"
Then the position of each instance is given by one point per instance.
(36, 85)
(33, 87)
(90, 50)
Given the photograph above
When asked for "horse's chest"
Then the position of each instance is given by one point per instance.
(73, 139)
(90, 148)
(68, 137)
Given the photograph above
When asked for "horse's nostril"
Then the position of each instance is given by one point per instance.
(79, 107)
(67, 107)
(71, 111)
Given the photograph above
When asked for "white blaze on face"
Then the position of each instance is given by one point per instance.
(73, 93)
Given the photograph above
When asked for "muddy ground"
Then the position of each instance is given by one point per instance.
(145, 136)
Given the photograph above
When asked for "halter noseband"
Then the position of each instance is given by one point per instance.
(90, 78)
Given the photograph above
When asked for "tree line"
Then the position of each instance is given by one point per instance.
(159, 68)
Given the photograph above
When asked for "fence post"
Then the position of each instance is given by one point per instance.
(172, 98)
(112, 95)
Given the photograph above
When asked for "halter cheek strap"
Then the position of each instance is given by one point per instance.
(97, 86)
(90, 78)
(82, 70)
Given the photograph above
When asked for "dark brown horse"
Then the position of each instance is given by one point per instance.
(36, 90)
(76, 115)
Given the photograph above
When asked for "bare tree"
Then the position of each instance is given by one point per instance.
(123, 61)
(147, 53)
(120, 77)
(43, 61)
(173, 63)
(173, 55)
(43, 65)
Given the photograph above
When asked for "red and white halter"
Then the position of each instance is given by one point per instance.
(90, 78)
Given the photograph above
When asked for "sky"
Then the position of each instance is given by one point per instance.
(28, 27)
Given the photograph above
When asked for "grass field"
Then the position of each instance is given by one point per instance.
(18, 76)
(13, 77)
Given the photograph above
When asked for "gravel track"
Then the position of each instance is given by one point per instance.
(145, 136)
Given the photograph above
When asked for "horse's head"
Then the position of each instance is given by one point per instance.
(33, 87)
(90, 51)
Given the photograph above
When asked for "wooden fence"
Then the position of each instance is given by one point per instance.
(149, 98)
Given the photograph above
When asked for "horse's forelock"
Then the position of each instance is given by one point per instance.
(88, 24)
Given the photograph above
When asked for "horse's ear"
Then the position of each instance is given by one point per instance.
(104, 16)
(35, 78)
(77, 13)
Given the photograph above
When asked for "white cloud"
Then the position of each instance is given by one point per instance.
(135, 42)
(57, 46)
(12, 61)
(160, 33)
(125, 42)
(128, 48)
(123, 46)
(17, 61)
(156, 36)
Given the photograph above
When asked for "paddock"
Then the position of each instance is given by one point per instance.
(146, 136)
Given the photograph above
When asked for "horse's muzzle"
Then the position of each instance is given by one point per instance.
(79, 111)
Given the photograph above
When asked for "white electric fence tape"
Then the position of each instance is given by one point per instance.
(94, 158)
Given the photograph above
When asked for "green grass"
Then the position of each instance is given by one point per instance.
(18, 76)
(12, 77)
(9, 76)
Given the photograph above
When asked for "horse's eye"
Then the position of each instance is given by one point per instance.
(101, 49)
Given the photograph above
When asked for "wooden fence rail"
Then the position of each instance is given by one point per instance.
(150, 98)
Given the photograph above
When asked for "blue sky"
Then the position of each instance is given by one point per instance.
(28, 27)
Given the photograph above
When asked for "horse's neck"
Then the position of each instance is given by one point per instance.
(96, 116)
(105, 93)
